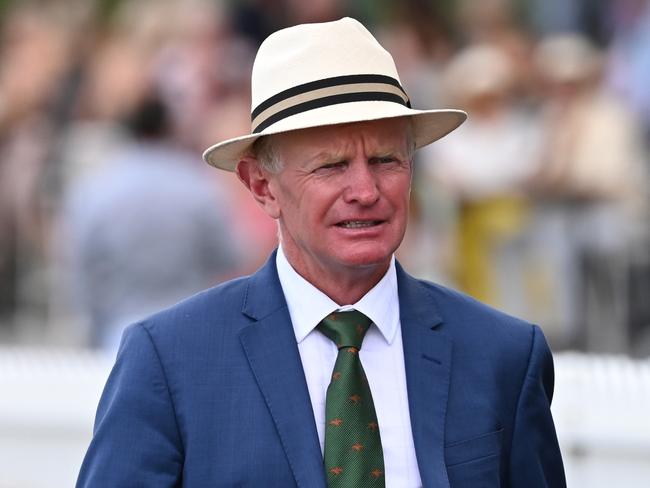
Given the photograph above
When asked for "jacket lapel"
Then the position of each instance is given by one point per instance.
(271, 349)
(427, 359)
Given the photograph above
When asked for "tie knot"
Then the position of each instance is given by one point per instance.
(345, 329)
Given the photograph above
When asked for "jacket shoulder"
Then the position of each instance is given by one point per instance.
(477, 325)
(469, 307)
(211, 308)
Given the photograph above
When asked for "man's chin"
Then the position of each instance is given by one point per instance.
(366, 260)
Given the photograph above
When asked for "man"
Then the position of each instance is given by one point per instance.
(330, 366)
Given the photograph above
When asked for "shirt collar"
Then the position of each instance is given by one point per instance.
(308, 305)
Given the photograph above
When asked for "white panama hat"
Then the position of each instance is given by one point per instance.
(312, 75)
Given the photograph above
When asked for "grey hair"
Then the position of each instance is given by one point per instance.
(266, 152)
(410, 140)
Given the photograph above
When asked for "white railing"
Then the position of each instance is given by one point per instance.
(48, 400)
(602, 415)
(47, 407)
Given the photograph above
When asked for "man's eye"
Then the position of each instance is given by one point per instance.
(384, 160)
(336, 165)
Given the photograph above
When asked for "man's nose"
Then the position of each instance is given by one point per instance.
(361, 184)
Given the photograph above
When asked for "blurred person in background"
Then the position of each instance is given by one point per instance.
(28, 128)
(482, 168)
(497, 23)
(592, 190)
(628, 66)
(190, 63)
(111, 78)
(145, 230)
(592, 18)
(206, 96)
(259, 234)
(300, 12)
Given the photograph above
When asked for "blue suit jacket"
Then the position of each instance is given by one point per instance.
(212, 393)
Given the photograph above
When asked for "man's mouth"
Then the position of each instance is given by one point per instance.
(358, 224)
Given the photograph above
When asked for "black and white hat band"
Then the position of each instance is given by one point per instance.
(328, 91)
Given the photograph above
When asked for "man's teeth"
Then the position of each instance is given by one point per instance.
(354, 224)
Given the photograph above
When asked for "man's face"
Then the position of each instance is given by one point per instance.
(343, 193)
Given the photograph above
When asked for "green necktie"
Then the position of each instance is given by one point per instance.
(353, 453)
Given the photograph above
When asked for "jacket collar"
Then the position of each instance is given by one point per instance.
(427, 360)
(270, 347)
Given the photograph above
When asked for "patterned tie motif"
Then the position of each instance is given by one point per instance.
(353, 453)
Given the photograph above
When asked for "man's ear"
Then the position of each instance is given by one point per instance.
(252, 175)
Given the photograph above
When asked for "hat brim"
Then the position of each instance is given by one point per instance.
(428, 126)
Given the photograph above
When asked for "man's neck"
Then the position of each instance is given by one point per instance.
(343, 285)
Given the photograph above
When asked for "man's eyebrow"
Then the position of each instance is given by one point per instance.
(390, 151)
(327, 156)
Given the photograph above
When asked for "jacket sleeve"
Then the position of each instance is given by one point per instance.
(136, 440)
(535, 459)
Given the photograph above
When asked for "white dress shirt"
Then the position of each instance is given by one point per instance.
(381, 354)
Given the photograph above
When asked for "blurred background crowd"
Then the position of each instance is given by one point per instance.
(537, 205)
